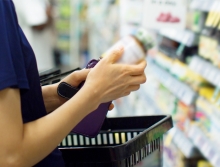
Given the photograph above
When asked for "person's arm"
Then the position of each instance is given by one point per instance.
(51, 99)
(24, 145)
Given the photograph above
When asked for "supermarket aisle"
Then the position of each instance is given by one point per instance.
(183, 81)
(183, 72)
(183, 68)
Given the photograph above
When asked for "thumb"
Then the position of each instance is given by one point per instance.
(76, 77)
(81, 75)
(115, 53)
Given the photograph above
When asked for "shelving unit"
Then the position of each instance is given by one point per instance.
(71, 23)
(186, 37)
(205, 145)
(202, 5)
(210, 110)
(178, 137)
(206, 69)
(181, 90)
(204, 127)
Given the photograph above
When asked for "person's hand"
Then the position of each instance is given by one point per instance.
(75, 78)
(109, 81)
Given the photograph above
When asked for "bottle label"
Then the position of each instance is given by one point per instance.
(133, 51)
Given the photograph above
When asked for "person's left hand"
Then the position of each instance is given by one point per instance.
(75, 78)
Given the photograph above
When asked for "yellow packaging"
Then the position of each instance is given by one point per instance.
(212, 15)
(216, 17)
(204, 164)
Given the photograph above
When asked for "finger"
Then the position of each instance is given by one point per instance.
(114, 54)
(76, 77)
(111, 107)
(81, 75)
(138, 79)
(125, 94)
(137, 69)
(133, 88)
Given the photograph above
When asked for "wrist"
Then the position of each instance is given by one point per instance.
(90, 95)
(50, 98)
(60, 99)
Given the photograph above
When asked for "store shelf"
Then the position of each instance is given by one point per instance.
(202, 5)
(206, 69)
(205, 145)
(211, 111)
(167, 162)
(185, 37)
(143, 94)
(184, 144)
(181, 90)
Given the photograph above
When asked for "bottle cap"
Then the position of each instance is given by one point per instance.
(145, 38)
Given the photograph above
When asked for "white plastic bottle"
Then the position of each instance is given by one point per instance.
(135, 46)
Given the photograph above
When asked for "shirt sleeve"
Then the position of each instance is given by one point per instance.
(12, 63)
(34, 12)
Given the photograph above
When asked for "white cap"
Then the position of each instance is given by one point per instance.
(145, 38)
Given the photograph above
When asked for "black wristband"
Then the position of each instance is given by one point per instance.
(66, 91)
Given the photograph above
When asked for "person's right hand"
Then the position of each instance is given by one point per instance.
(109, 80)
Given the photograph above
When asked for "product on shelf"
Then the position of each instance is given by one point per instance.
(204, 163)
(214, 15)
(63, 25)
(205, 142)
(209, 49)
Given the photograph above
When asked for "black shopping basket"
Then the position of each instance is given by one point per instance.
(53, 76)
(122, 142)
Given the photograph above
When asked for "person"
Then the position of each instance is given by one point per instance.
(36, 20)
(34, 119)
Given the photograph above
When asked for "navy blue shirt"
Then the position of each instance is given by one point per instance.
(18, 69)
